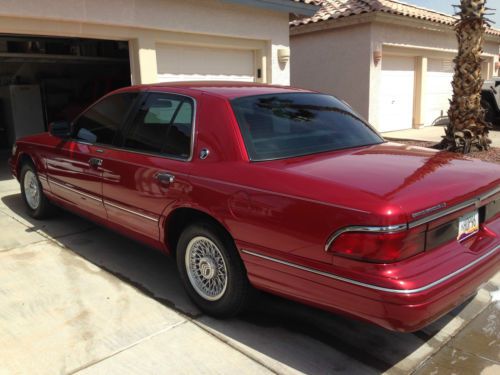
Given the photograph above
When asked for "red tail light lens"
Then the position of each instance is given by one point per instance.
(379, 247)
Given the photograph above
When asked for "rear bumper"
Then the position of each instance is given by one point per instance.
(412, 312)
(423, 290)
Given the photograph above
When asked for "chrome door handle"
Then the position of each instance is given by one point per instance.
(95, 162)
(165, 178)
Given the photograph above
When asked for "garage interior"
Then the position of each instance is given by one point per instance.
(45, 79)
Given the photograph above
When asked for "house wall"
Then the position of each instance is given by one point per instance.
(145, 23)
(339, 59)
(422, 43)
(335, 61)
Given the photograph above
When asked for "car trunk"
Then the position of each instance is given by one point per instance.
(417, 181)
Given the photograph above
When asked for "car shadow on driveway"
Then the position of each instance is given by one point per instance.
(277, 332)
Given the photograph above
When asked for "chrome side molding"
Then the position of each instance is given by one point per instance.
(119, 207)
(97, 199)
(371, 286)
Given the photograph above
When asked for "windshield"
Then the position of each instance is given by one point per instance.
(281, 126)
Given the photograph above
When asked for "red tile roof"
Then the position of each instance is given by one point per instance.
(335, 9)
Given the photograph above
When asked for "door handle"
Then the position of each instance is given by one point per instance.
(165, 178)
(95, 162)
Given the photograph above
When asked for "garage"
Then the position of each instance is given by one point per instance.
(57, 57)
(46, 79)
(199, 63)
(438, 91)
(397, 83)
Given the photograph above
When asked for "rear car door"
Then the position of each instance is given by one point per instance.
(75, 168)
(148, 170)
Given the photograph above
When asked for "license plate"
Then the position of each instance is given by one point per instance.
(468, 225)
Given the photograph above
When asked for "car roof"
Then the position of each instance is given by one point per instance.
(229, 90)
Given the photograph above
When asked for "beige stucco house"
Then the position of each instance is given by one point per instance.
(57, 56)
(393, 62)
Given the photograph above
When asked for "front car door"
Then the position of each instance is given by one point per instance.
(75, 168)
(148, 170)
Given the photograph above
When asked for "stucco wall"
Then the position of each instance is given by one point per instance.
(410, 41)
(340, 60)
(336, 62)
(144, 21)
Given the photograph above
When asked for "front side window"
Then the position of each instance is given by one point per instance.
(162, 125)
(100, 123)
(278, 126)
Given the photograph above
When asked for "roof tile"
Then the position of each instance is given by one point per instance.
(335, 9)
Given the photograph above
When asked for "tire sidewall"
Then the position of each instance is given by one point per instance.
(228, 304)
(39, 211)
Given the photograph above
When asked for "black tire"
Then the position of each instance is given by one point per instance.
(44, 208)
(234, 299)
(489, 114)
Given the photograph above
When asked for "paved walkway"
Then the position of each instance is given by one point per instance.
(75, 298)
(432, 134)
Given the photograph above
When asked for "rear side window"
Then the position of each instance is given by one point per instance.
(100, 123)
(286, 125)
(162, 125)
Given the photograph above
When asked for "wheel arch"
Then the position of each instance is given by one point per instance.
(179, 218)
(23, 158)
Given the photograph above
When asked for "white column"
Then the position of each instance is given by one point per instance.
(143, 64)
(420, 88)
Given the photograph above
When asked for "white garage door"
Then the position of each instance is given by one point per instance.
(438, 90)
(396, 93)
(193, 63)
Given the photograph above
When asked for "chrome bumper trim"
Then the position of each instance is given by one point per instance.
(371, 286)
(388, 230)
(412, 224)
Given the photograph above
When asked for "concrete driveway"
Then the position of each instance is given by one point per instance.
(76, 298)
(433, 134)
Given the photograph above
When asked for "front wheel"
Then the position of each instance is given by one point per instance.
(211, 270)
(37, 204)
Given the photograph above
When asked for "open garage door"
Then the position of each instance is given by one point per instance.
(438, 90)
(396, 93)
(44, 79)
(196, 63)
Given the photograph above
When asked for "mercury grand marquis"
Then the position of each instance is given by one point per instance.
(275, 188)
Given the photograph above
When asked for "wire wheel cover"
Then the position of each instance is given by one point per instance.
(206, 268)
(31, 190)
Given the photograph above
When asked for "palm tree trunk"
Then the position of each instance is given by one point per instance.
(468, 129)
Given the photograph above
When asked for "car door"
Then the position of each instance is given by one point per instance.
(75, 167)
(148, 171)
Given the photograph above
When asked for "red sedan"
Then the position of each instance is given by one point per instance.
(281, 189)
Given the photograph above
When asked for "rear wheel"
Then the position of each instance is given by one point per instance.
(37, 204)
(212, 271)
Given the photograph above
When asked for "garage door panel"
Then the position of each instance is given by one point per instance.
(195, 63)
(438, 91)
(396, 93)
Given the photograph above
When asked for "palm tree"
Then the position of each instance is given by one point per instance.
(468, 128)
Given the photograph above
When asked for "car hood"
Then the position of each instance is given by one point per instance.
(391, 178)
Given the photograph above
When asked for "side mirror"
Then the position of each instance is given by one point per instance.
(60, 129)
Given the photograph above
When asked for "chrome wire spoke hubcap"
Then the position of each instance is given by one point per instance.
(31, 190)
(206, 268)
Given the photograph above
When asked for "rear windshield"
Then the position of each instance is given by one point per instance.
(281, 126)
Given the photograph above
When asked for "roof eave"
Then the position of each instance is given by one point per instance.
(286, 6)
(381, 17)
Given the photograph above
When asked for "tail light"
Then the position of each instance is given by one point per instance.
(379, 247)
